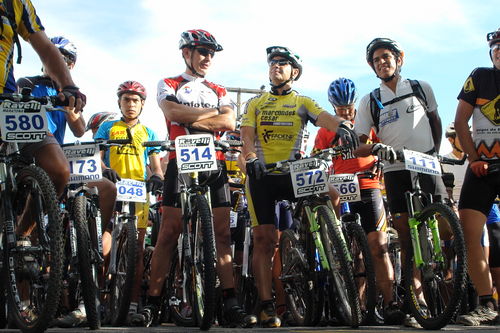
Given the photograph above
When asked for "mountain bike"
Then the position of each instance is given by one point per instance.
(123, 253)
(31, 225)
(315, 258)
(196, 251)
(441, 270)
(83, 229)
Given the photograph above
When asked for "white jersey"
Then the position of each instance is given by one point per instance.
(403, 124)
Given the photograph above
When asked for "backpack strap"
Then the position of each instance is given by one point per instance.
(419, 94)
(375, 107)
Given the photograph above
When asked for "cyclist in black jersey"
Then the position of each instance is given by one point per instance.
(478, 100)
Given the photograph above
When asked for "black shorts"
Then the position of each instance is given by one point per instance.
(479, 193)
(371, 210)
(219, 188)
(398, 182)
(263, 194)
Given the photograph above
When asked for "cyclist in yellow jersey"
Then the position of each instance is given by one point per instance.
(129, 161)
(272, 130)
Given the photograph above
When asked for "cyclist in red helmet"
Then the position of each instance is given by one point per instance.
(479, 99)
(130, 162)
(193, 105)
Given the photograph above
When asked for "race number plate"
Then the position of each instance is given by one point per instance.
(308, 177)
(421, 163)
(195, 153)
(23, 121)
(84, 163)
(347, 184)
(131, 190)
(233, 219)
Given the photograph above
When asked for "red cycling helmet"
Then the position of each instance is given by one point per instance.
(196, 37)
(132, 87)
(98, 118)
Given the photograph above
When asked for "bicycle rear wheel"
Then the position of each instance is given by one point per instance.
(122, 281)
(364, 272)
(203, 274)
(34, 263)
(297, 280)
(343, 293)
(442, 276)
(88, 265)
(181, 312)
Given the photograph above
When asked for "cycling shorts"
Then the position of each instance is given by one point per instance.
(263, 194)
(479, 193)
(219, 188)
(494, 235)
(398, 182)
(139, 209)
(371, 210)
(28, 150)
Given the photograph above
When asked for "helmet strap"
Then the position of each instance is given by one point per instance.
(275, 87)
(190, 67)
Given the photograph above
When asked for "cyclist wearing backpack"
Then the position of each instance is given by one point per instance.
(480, 99)
(404, 115)
(342, 95)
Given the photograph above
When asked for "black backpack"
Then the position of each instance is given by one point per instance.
(7, 10)
(376, 105)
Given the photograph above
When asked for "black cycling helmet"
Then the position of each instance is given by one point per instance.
(493, 37)
(386, 43)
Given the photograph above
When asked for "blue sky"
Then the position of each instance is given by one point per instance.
(138, 40)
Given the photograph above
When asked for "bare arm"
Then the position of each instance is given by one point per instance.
(328, 121)
(225, 121)
(51, 58)
(464, 113)
(155, 165)
(248, 137)
(75, 121)
(436, 129)
(185, 114)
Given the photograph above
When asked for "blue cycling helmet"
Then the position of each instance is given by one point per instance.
(67, 48)
(342, 92)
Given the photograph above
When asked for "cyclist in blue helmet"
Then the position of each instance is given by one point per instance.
(342, 92)
(370, 207)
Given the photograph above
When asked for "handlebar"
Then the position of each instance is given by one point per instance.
(103, 143)
(26, 97)
(324, 154)
(169, 145)
(442, 159)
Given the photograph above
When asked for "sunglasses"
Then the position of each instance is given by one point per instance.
(495, 47)
(233, 137)
(280, 62)
(205, 52)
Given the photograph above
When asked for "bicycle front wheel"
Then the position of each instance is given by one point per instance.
(34, 262)
(344, 296)
(203, 274)
(122, 281)
(88, 265)
(364, 272)
(442, 275)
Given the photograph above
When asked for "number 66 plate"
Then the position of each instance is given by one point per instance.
(308, 177)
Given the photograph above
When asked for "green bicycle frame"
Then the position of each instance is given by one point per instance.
(432, 223)
(314, 229)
